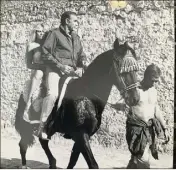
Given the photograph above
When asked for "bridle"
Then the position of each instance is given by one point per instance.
(124, 88)
(118, 73)
(132, 86)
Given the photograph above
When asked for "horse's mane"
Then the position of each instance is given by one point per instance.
(99, 66)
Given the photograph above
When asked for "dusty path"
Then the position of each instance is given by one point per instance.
(106, 157)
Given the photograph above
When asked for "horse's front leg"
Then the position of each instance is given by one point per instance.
(74, 156)
(23, 149)
(51, 159)
(83, 140)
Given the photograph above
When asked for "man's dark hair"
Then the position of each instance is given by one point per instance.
(152, 70)
(66, 15)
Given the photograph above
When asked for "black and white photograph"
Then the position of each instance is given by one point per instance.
(87, 84)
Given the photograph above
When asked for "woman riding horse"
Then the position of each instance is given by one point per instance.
(79, 116)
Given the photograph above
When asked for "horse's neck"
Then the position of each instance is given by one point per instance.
(101, 90)
(97, 80)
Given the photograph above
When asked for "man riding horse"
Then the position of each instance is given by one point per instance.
(62, 55)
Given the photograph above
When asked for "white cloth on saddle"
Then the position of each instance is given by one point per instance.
(63, 90)
(32, 46)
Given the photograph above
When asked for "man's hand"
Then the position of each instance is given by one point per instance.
(166, 135)
(68, 70)
(79, 72)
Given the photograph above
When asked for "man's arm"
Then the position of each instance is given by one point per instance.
(81, 62)
(159, 116)
(48, 49)
(157, 111)
(81, 56)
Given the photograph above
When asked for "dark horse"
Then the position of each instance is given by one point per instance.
(79, 116)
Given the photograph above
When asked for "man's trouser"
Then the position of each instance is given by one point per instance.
(52, 84)
(143, 162)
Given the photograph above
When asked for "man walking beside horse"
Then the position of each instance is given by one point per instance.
(145, 122)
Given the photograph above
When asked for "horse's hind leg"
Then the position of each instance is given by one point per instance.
(51, 159)
(74, 156)
(23, 149)
(83, 140)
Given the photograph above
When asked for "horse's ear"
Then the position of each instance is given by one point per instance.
(127, 45)
(131, 49)
(116, 44)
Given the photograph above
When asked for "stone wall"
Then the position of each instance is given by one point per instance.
(148, 25)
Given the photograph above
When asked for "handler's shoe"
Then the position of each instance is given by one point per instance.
(131, 165)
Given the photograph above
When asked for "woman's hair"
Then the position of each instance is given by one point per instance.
(33, 35)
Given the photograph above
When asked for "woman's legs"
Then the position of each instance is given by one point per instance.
(35, 82)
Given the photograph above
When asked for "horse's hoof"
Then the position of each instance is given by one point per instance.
(25, 167)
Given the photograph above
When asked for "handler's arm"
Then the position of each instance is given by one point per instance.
(159, 116)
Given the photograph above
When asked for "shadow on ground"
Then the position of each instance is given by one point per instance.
(119, 168)
(16, 164)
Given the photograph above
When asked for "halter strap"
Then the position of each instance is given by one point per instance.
(130, 87)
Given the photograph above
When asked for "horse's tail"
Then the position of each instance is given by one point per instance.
(21, 126)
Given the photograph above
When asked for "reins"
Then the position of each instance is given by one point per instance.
(137, 84)
(110, 104)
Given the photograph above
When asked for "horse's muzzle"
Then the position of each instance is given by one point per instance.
(132, 99)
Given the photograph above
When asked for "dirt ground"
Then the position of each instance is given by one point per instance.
(36, 158)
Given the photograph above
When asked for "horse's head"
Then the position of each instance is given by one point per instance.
(125, 68)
